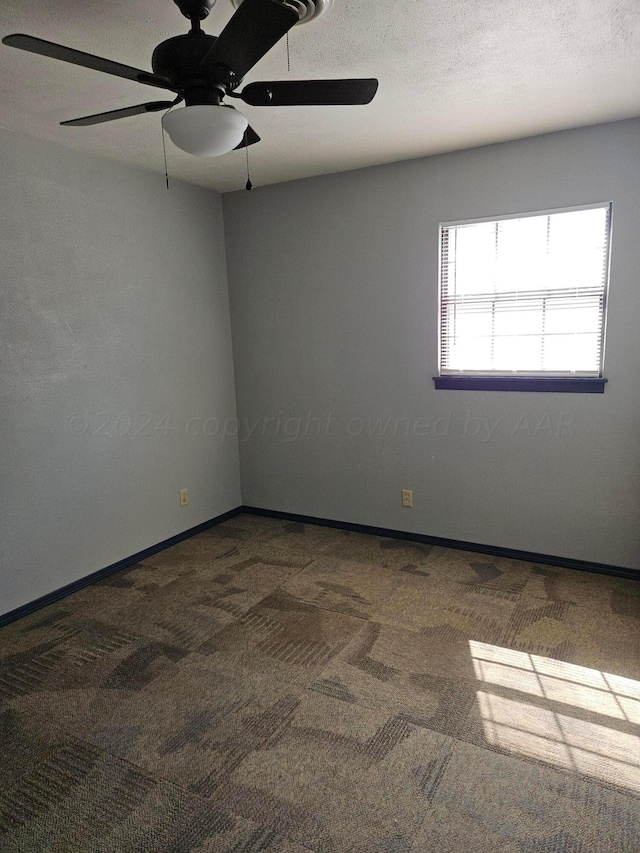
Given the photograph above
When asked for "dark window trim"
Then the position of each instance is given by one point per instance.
(554, 384)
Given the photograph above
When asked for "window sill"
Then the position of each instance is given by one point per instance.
(554, 384)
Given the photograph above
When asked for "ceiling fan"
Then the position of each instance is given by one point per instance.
(202, 70)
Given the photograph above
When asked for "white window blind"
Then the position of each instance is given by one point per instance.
(525, 294)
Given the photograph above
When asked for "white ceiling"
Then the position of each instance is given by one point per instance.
(453, 74)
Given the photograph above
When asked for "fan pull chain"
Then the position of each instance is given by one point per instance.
(288, 55)
(164, 151)
(248, 185)
(164, 143)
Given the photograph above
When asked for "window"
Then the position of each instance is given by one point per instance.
(523, 301)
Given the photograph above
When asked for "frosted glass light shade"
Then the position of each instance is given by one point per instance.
(206, 130)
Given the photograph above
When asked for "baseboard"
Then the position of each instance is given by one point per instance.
(494, 550)
(70, 588)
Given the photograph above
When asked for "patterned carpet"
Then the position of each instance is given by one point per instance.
(270, 686)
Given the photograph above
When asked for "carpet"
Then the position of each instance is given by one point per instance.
(274, 686)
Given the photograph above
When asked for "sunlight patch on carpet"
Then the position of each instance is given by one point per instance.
(580, 719)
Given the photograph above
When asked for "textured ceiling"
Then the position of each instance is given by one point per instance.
(453, 74)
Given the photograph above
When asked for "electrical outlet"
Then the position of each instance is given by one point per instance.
(184, 497)
(407, 498)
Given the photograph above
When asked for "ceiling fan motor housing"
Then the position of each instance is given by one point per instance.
(179, 59)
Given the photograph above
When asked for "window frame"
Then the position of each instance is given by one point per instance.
(533, 381)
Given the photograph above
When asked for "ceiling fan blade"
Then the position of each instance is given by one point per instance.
(254, 29)
(288, 93)
(98, 118)
(87, 60)
(251, 137)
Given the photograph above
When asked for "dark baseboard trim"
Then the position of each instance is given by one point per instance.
(529, 556)
(70, 588)
(496, 551)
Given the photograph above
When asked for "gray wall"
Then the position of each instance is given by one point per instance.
(116, 364)
(333, 286)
